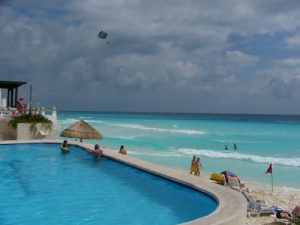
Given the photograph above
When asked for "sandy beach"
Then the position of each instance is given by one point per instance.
(284, 197)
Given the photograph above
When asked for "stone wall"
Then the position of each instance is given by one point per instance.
(27, 131)
(6, 132)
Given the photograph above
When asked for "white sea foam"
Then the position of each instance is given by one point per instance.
(156, 129)
(67, 121)
(254, 158)
(161, 154)
(122, 137)
(86, 117)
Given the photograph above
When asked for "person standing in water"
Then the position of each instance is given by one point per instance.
(234, 147)
(225, 147)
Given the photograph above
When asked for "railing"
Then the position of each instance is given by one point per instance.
(51, 114)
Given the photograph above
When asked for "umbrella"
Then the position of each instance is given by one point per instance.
(82, 130)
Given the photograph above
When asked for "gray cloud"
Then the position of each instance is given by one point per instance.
(162, 56)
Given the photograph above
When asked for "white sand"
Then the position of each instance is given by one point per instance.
(286, 198)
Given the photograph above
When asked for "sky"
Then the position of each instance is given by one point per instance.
(205, 56)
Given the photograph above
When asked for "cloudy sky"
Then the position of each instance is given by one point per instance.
(203, 56)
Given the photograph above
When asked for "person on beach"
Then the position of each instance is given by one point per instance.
(123, 150)
(65, 147)
(97, 152)
(198, 166)
(21, 106)
(193, 169)
(291, 216)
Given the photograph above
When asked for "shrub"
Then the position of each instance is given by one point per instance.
(27, 118)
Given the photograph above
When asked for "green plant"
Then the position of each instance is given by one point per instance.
(33, 119)
(297, 220)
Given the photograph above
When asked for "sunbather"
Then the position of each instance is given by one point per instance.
(289, 215)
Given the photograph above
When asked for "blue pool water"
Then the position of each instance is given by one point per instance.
(39, 185)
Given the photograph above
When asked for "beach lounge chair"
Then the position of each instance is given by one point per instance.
(234, 183)
(260, 208)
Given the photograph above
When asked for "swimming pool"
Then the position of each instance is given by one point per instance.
(39, 185)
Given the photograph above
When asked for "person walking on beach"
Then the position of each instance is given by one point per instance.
(123, 150)
(198, 165)
(193, 169)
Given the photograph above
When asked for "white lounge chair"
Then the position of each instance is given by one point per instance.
(260, 208)
(234, 183)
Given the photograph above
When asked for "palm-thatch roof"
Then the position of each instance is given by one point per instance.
(82, 130)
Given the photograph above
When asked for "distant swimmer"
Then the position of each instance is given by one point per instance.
(225, 147)
(234, 146)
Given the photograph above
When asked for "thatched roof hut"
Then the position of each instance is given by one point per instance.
(82, 130)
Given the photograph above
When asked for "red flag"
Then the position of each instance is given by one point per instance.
(269, 170)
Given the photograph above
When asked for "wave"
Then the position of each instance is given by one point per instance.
(141, 127)
(138, 126)
(86, 117)
(254, 158)
(67, 121)
(123, 137)
(166, 154)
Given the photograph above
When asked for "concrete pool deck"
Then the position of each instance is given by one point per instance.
(232, 206)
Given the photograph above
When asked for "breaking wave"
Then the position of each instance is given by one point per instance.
(141, 127)
(254, 158)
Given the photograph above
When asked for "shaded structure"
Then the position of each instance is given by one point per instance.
(12, 91)
(81, 130)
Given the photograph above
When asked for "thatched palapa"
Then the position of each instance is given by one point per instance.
(82, 130)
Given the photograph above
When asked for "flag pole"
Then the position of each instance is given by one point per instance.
(272, 181)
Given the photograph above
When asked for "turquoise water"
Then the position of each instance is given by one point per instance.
(172, 140)
(39, 185)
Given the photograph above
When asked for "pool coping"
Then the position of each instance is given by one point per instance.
(232, 206)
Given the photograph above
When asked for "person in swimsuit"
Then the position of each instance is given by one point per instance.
(65, 147)
(97, 152)
(283, 214)
(123, 150)
(193, 169)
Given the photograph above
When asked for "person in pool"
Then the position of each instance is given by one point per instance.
(123, 150)
(65, 147)
(97, 152)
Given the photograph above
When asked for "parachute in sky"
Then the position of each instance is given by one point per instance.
(102, 35)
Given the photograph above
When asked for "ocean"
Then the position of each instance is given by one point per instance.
(171, 140)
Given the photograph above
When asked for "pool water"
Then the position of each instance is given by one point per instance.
(39, 185)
